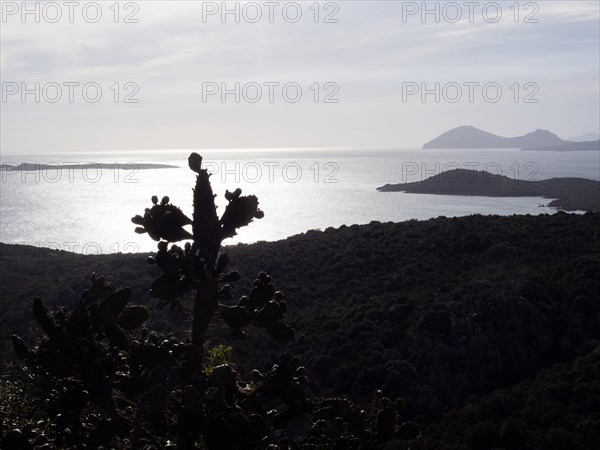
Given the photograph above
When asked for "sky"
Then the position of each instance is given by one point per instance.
(349, 74)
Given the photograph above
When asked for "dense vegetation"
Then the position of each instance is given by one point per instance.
(488, 326)
(570, 194)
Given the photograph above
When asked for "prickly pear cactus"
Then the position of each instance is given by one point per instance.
(82, 358)
(199, 267)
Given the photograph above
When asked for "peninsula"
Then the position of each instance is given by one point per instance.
(570, 194)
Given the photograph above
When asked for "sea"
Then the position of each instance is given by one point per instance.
(88, 210)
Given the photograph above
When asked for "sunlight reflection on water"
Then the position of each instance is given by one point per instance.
(90, 212)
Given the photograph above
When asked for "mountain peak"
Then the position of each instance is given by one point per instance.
(540, 131)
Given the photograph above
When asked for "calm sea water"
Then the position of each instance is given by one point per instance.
(89, 211)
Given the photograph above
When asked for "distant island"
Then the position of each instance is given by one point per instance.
(571, 146)
(28, 167)
(471, 137)
(570, 194)
(542, 140)
(585, 137)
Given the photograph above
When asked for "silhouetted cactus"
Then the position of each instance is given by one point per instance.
(200, 266)
(83, 346)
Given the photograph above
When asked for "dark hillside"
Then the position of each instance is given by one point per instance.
(489, 326)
